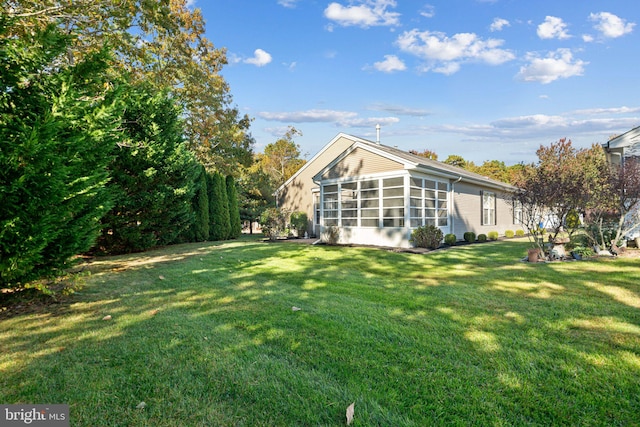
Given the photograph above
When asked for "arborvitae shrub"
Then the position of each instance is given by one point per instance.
(482, 237)
(450, 239)
(234, 209)
(470, 236)
(220, 228)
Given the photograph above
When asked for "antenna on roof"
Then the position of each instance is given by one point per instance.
(378, 133)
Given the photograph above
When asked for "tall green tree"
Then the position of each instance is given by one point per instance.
(153, 176)
(162, 43)
(235, 224)
(220, 228)
(58, 124)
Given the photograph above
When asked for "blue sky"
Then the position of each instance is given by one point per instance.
(484, 79)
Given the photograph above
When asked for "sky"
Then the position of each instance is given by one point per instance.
(483, 79)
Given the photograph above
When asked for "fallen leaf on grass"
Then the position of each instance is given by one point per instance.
(294, 308)
(107, 317)
(141, 405)
(161, 277)
(350, 410)
(154, 312)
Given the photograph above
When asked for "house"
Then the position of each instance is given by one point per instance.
(621, 146)
(376, 195)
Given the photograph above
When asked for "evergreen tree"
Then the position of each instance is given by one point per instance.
(153, 176)
(219, 214)
(201, 207)
(234, 210)
(57, 126)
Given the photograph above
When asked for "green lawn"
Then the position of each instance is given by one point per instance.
(205, 334)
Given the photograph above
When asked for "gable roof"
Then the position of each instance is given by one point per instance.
(414, 162)
(626, 140)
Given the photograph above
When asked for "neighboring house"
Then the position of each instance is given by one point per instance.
(621, 146)
(377, 195)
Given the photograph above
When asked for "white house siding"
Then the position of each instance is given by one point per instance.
(467, 210)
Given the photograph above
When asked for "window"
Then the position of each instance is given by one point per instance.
(316, 208)
(488, 208)
(393, 202)
(349, 204)
(517, 212)
(428, 203)
(369, 203)
(330, 205)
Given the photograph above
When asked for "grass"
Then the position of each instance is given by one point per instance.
(205, 335)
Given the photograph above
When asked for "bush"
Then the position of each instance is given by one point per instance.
(520, 233)
(493, 235)
(299, 222)
(331, 235)
(482, 237)
(470, 236)
(428, 237)
(509, 234)
(450, 239)
(272, 221)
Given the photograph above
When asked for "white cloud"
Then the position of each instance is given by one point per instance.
(553, 28)
(498, 24)
(288, 3)
(587, 38)
(339, 118)
(610, 25)
(556, 65)
(390, 64)
(399, 110)
(445, 54)
(367, 13)
(428, 11)
(260, 58)
(614, 110)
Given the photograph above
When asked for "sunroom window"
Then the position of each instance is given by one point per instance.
(393, 202)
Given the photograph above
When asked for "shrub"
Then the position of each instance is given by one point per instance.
(450, 239)
(234, 210)
(493, 235)
(509, 234)
(470, 236)
(299, 222)
(428, 236)
(482, 237)
(272, 221)
(520, 233)
(331, 235)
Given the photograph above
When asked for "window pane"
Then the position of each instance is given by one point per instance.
(369, 194)
(349, 186)
(393, 192)
(350, 205)
(416, 192)
(430, 203)
(330, 188)
(369, 203)
(349, 222)
(369, 222)
(393, 222)
(442, 204)
(415, 213)
(442, 195)
(393, 202)
(328, 221)
(416, 182)
(442, 186)
(349, 213)
(429, 213)
(369, 213)
(428, 194)
(331, 214)
(416, 222)
(369, 184)
(393, 182)
(415, 202)
(442, 213)
(394, 212)
(429, 222)
(429, 184)
(442, 222)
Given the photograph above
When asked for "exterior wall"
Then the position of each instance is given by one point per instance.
(296, 195)
(467, 211)
(392, 237)
(361, 162)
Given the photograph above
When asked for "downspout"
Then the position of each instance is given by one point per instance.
(453, 204)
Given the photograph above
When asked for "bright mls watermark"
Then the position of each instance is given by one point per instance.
(34, 415)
